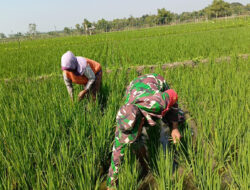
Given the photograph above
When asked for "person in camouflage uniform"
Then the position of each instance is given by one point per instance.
(148, 97)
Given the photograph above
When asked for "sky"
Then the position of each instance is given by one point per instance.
(51, 15)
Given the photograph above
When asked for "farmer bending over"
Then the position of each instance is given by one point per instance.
(148, 98)
(83, 71)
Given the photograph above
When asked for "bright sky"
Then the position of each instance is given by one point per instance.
(50, 15)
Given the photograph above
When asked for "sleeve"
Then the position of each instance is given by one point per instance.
(163, 85)
(91, 77)
(68, 84)
(92, 61)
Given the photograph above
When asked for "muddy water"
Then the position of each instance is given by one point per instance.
(148, 183)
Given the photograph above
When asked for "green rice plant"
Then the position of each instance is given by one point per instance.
(216, 95)
(165, 177)
(157, 45)
(239, 168)
(129, 173)
(203, 169)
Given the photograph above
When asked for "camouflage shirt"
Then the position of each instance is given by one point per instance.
(147, 93)
(145, 96)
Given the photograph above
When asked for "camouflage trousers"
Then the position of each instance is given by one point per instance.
(139, 140)
(122, 139)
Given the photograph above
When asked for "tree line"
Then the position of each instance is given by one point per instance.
(218, 8)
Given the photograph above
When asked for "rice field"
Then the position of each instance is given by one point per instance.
(49, 142)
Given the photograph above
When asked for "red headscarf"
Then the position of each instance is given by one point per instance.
(173, 98)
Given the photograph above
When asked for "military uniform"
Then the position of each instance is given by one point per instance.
(145, 101)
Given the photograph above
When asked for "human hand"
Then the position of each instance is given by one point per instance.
(175, 135)
(111, 188)
(81, 95)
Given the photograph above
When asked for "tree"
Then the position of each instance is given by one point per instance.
(164, 16)
(103, 25)
(32, 29)
(247, 7)
(146, 19)
(150, 20)
(2, 35)
(66, 30)
(237, 8)
(79, 29)
(86, 25)
(185, 16)
(219, 8)
(117, 24)
(131, 21)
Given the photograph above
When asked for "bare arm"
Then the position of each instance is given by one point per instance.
(69, 85)
(91, 79)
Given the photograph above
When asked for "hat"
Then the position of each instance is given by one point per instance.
(70, 62)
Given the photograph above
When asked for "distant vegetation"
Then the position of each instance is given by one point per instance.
(217, 9)
(167, 43)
